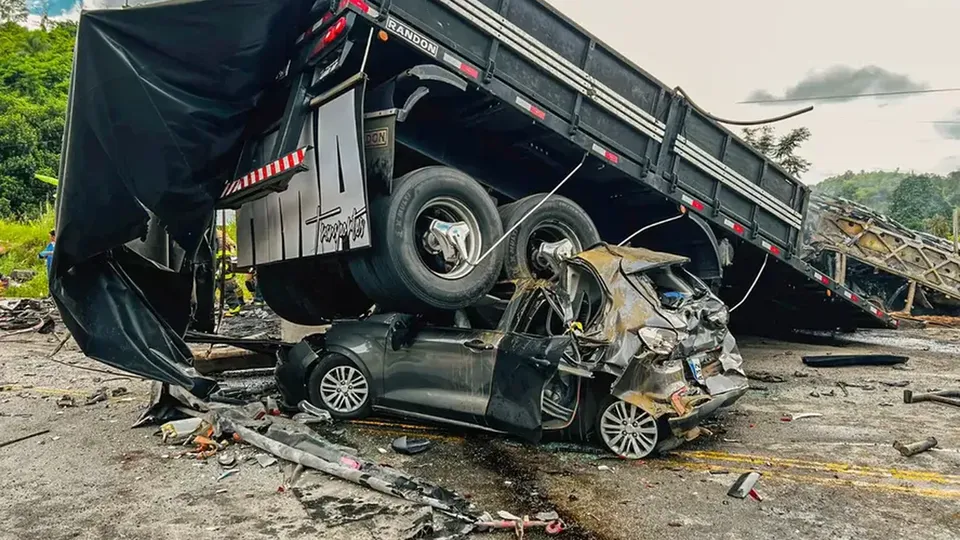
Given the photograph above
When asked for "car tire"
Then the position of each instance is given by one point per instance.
(637, 439)
(400, 273)
(558, 218)
(311, 291)
(340, 401)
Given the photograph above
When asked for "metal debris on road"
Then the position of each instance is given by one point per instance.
(266, 460)
(227, 473)
(895, 384)
(409, 446)
(843, 388)
(912, 449)
(801, 416)
(25, 437)
(800, 374)
(846, 360)
(764, 376)
(744, 485)
(96, 397)
(66, 401)
(227, 459)
(947, 397)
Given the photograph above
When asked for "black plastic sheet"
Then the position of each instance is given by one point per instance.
(159, 100)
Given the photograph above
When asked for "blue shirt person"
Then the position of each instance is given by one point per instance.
(47, 252)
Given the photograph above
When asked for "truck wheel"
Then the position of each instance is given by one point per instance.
(557, 219)
(311, 291)
(339, 386)
(413, 265)
(627, 430)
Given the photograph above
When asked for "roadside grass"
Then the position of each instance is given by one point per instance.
(21, 242)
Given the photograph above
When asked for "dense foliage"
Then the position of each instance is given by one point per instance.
(34, 81)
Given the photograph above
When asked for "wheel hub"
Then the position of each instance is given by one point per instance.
(628, 430)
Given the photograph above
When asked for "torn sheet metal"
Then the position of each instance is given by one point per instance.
(657, 329)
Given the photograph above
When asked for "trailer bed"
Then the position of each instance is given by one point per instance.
(533, 58)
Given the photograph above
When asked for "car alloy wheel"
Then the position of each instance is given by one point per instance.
(344, 389)
(628, 430)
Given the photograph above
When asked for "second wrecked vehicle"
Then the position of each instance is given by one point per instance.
(628, 348)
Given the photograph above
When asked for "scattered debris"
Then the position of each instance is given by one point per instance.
(603, 468)
(96, 397)
(521, 525)
(766, 377)
(118, 391)
(227, 473)
(266, 460)
(227, 459)
(25, 437)
(408, 446)
(843, 388)
(815, 394)
(382, 450)
(800, 374)
(845, 360)
(180, 429)
(895, 384)
(66, 401)
(800, 416)
(744, 485)
(27, 315)
(912, 449)
(947, 397)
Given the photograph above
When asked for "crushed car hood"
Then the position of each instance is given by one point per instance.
(642, 343)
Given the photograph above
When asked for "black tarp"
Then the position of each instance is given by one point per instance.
(159, 99)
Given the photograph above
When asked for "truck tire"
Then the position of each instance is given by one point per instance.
(557, 219)
(311, 291)
(404, 270)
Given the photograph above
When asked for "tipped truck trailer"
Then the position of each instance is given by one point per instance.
(407, 154)
(404, 137)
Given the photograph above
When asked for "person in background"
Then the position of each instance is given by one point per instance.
(47, 252)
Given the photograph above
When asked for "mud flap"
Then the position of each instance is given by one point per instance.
(524, 365)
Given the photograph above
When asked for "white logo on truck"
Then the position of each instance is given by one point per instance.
(412, 36)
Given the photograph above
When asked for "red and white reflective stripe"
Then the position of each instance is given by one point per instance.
(737, 228)
(821, 278)
(697, 205)
(269, 170)
(879, 313)
(462, 66)
(850, 296)
(608, 155)
(531, 108)
(770, 247)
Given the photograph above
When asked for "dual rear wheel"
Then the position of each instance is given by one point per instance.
(431, 251)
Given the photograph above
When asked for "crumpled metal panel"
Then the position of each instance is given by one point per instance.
(846, 227)
(623, 339)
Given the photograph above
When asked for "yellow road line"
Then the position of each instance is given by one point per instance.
(826, 466)
(831, 482)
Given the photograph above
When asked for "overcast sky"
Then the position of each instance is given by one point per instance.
(725, 52)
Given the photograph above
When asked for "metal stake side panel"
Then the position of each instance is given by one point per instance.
(661, 142)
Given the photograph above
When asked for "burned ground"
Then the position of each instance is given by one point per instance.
(833, 476)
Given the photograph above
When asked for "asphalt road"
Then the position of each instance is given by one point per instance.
(831, 476)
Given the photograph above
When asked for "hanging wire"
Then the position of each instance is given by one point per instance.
(652, 225)
(754, 284)
(703, 111)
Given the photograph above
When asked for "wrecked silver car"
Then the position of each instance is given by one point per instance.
(627, 347)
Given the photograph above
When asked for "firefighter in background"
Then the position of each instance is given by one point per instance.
(226, 273)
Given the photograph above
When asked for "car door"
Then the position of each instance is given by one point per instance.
(485, 378)
(442, 372)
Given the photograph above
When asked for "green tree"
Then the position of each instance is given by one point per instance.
(34, 81)
(782, 150)
(918, 202)
(14, 11)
